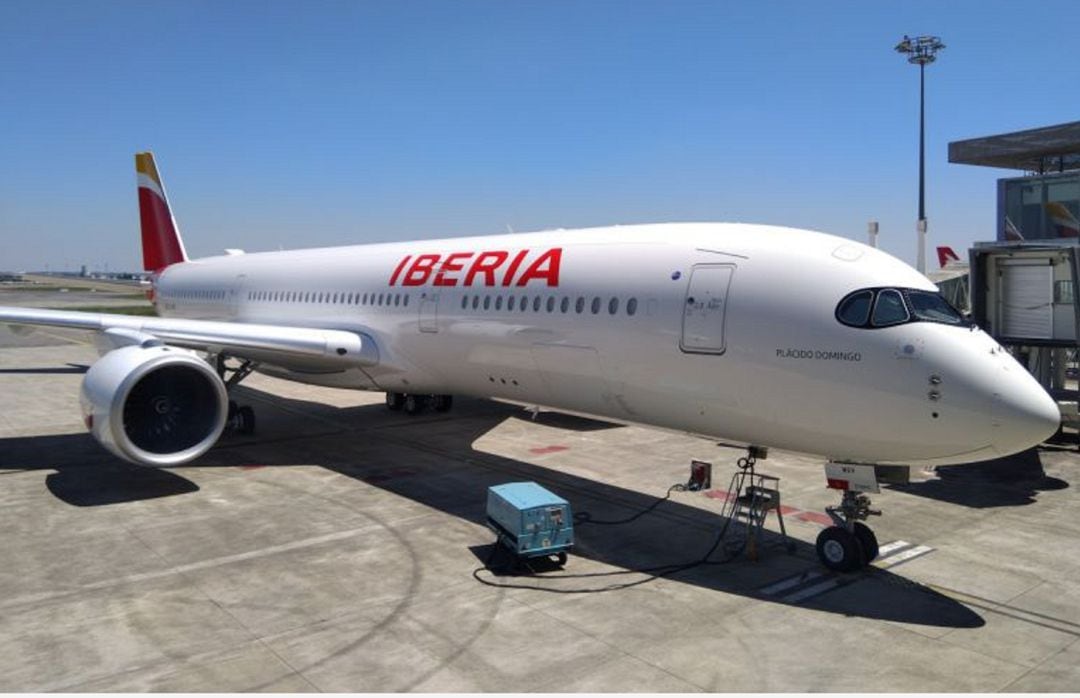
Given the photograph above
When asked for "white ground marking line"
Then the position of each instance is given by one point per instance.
(905, 556)
(888, 548)
(889, 555)
(191, 567)
(789, 582)
(806, 593)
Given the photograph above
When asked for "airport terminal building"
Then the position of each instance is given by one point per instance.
(1044, 203)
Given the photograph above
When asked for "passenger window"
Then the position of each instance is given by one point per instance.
(631, 306)
(889, 309)
(510, 303)
(487, 302)
(475, 302)
(551, 304)
(565, 304)
(464, 302)
(613, 306)
(579, 305)
(536, 304)
(595, 306)
(855, 309)
(498, 302)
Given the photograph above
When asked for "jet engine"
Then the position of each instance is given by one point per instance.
(154, 405)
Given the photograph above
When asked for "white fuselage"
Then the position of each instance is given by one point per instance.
(725, 330)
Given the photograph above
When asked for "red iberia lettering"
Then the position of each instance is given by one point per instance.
(518, 259)
(488, 268)
(545, 267)
(420, 270)
(450, 264)
(400, 266)
(485, 263)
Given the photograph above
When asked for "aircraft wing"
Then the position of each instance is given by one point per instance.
(309, 346)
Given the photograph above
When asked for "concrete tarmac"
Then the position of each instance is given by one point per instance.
(335, 550)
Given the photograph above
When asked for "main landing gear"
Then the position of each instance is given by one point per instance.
(241, 418)
(849, 544)
(415, 404)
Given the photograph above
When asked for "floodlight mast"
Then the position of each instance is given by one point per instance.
(921, 50)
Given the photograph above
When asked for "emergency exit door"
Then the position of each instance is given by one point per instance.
(705, 307)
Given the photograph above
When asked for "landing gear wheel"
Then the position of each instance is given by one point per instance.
(867, 541)
(560, 558)
(442, 403)
(839, 550)
(395, 401)
(245, 417)
(414, 404)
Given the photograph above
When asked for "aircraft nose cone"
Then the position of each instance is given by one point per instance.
(1024, 416)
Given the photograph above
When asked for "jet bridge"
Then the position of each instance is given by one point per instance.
(1024, 295)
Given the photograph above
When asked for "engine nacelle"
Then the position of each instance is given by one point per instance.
(154, 405)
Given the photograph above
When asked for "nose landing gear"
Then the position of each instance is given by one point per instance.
(849, 544)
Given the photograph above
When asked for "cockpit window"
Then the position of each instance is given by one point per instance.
(855, 309)
(932, 307)
(889, 309)
(885, 307)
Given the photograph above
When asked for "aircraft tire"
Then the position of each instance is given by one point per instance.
(867, 541)
(246, 417)
(414, 404)
(395, 401)
(839, 550)
(561, 558)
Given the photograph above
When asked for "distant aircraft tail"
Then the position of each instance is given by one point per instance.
(161, 243)
(945, 255)
(1012, 232)
(1064, 221)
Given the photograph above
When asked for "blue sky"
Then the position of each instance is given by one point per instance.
(294, 124)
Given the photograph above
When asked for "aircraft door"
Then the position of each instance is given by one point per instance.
(705, 308)
(235, 294)
(429, 312)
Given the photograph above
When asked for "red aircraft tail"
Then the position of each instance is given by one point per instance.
(161, 243)
(946, 255)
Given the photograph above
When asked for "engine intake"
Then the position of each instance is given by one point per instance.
(154, 405)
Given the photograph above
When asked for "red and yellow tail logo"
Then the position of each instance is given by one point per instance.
(161, 241)
(1065, 223)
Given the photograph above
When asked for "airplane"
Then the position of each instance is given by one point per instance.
(763, 335)
(952, 279)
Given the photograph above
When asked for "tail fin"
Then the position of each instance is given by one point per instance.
(1064, 221)
(161, 243)
(1012, 232)
(946, 255)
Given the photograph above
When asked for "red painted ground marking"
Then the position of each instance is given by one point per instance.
(786, 510)
(548, 449)
(718, 494)
(814, 517)
(251, 467)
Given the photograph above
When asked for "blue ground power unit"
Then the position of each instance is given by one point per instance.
(530, 520)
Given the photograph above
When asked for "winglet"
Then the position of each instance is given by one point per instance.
(161, 243)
